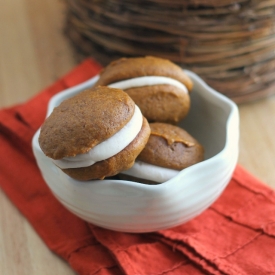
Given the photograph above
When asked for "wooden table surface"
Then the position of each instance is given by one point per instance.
(33, 54)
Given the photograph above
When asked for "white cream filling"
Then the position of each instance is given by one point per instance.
(151, 172)
(148, 81)
(107, 148)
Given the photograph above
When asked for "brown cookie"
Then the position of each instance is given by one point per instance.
(163, 103)
(160, 102)
(171, 147)
(168, 150)
(82, 122)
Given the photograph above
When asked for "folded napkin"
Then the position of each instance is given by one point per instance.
(236, 235)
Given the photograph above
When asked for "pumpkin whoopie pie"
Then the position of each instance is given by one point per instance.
(168, 150)
(159, 87)
(95, 134)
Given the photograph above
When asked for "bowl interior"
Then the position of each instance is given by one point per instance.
(208, 118)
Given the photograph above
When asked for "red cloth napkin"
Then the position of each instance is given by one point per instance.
(234, 236)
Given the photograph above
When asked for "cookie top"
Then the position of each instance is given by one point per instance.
(171, 147)
(126, 68)
(85, 120)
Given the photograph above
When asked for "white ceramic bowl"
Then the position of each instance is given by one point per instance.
(133, 207)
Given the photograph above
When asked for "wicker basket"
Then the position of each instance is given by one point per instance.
(230, 44)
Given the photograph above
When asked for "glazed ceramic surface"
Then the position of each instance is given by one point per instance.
(133, 207)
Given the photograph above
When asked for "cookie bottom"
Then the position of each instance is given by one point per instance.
(113, 165)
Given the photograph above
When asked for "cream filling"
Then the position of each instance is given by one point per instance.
(147, 81)
(151, 172)
(107, 148)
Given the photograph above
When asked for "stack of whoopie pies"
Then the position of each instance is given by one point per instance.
(104, 131)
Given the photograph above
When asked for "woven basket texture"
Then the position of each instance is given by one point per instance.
(230, 44)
